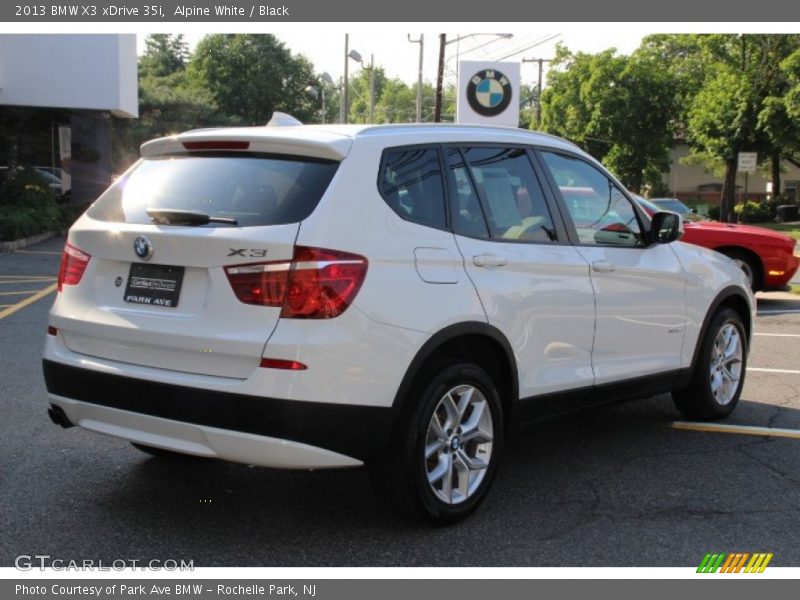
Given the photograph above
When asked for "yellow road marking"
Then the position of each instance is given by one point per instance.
(740, 429)
(36, 252)
(5, 305)
(18, 293)
(27, 280)
(26, 277)
(10, 310)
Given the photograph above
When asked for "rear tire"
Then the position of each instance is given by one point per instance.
(718, 375)
(447, 447)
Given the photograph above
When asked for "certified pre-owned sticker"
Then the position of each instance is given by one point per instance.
(489, 92)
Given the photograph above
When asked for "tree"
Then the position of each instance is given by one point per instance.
(251, 76)
(620, 109)
(741, 105)
(164, 54)
(360, 93)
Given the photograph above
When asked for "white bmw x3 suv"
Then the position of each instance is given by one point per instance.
(398, 296)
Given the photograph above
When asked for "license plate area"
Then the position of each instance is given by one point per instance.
(155, 285)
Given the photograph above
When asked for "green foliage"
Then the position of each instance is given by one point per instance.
(755, 212)
(250, 76)
(714, 213)
(164, 55)
(618, 108)
(27, 205)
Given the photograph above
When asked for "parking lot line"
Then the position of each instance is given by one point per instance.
(739, 429)
(791, 335)
(760, 370)
(11, 309)
(19, 293)
(37, 252)
(4, 277)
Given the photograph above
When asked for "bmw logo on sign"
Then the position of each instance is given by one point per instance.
(143, 247)
(489, 92)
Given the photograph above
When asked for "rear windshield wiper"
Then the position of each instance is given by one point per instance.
(177, 216)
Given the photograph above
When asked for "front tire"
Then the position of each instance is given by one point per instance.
(718, 375)
(447, 447)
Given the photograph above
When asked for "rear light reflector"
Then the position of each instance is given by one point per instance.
(52, 330)
(277, 363)
(73, 264)
(217, 145)
(316, 284)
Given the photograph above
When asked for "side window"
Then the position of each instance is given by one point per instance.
(513, 200)
(468, 216)
(601, 213)
(411, 184)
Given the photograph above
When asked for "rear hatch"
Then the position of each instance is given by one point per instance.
(165, 245)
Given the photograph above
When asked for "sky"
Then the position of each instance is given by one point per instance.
(400, 58)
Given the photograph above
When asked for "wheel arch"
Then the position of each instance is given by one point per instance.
(478, 342)
(760, 273)
(730, 297)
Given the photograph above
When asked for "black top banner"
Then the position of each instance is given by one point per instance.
(464, 11)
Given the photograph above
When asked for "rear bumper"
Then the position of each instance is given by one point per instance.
(242, 428)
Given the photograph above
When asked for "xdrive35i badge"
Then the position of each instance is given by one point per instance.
(143, 247)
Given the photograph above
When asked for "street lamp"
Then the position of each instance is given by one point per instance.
(356, 56)
(320, 93)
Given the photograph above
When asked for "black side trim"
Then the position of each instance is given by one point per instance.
(357, 431)
(447, 334)
(560, 404)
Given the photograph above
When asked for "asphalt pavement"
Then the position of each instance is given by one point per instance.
(619, 486)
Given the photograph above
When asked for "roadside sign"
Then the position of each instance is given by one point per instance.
(488, 93)
(747, 162)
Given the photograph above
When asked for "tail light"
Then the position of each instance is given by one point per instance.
(316, 284)
(73, 264)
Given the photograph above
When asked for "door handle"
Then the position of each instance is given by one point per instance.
(489, 260)
(603, 266)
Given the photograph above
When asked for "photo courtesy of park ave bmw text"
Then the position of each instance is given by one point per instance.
(388, 292)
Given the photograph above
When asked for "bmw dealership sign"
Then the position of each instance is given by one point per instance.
(488, 93)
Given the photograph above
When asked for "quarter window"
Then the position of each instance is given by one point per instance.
(411, 184)
(601, 213)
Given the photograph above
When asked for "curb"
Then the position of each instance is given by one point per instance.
(6, 247)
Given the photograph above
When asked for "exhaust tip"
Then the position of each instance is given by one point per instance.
(59, 417)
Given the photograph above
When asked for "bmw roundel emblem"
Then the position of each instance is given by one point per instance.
(489, 92)
(143, 247)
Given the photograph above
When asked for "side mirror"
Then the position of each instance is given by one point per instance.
(665, 227)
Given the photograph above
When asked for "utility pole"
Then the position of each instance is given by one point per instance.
(371, 88)
(343, 107)
(437, 107)
(539, 85)
(420, 41)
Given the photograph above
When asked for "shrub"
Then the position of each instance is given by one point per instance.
(755, 212)
(714, 213)
(27, 205)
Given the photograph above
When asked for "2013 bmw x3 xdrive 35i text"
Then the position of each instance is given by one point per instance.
(396, 296)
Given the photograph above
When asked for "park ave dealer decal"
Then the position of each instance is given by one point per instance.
(489, 92)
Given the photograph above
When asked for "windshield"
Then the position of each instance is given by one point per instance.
(670, 204)
(246, 189)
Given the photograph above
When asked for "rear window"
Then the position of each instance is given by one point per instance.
(254, 190)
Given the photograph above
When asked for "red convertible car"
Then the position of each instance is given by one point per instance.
(766, 256)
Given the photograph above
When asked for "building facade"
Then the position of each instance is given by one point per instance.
(695, 185)
(57, 95)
